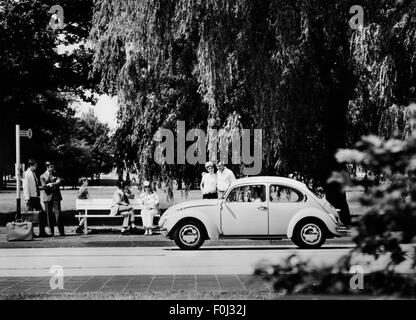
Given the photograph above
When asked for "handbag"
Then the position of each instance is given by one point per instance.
(19, 230)
(48, 190)
(31, 216)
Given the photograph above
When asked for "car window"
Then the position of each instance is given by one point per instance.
(318, 192)
(282, 194)
(252, 193)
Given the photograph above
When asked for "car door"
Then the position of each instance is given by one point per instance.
(244, 211)
(284, 202)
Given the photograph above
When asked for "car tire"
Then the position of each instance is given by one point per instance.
(309, 234)
(189, 235)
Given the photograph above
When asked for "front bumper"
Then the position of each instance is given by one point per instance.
(163, 232)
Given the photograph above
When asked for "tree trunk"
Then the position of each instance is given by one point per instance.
(339, 81)
(338, 198)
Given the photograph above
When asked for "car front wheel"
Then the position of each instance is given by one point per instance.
(309, 235)
(189, 235)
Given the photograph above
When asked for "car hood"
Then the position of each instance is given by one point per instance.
(193, 204)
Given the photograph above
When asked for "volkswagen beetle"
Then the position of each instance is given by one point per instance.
(255, 208)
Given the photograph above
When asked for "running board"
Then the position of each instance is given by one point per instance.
(253, 237)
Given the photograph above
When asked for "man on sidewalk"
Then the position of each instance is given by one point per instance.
(51, 197)
(31, 195)
(224, 178)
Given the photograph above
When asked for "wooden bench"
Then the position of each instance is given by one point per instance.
(101, 204)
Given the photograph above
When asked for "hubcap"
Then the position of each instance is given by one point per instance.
(189, 234)
(311, 233)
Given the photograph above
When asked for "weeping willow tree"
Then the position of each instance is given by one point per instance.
(139, 59)
(384, 54)
(292, 68)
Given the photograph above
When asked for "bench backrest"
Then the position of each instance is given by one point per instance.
(93, 204)
(100, 204)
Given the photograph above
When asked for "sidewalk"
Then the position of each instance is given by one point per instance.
(111, 237)
(199, 287)
(135, 284)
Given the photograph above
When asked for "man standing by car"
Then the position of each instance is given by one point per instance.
(51, 197)
(224, 178)
(31, 194)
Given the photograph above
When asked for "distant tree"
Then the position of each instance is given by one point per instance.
(95, 135)
(84, 150)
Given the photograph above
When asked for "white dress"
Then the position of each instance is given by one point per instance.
(209, 183)
(149, 210)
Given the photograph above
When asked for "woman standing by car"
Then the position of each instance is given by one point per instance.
(209, 182)
(150, 202)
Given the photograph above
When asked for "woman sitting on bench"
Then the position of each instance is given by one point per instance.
(150, 203)
(122, 206)
(83, 194)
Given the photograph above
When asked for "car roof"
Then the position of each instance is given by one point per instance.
(270, 179)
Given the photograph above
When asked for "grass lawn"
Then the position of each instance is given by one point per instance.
(8, 198)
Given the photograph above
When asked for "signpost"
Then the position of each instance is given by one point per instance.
(25, 134)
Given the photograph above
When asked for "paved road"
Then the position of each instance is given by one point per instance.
(242, 260)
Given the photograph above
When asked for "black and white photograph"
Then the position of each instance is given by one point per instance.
(207, 150)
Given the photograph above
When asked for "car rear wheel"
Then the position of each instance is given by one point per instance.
(189, 235)
(309, 234)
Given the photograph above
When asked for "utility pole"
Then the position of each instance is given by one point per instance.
(17, 172)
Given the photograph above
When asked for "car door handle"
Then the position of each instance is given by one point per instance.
(262, 208)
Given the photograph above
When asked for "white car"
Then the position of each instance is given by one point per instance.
(255, 208)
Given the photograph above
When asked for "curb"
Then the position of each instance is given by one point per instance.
(135, 241)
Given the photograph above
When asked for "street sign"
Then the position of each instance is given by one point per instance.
(26, 133)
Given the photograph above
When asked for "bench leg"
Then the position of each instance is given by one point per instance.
(85, 222)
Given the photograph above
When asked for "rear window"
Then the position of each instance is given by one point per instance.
(319, 192)
(283, 194)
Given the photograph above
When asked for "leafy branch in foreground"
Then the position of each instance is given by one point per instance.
(388, 224)
(297, 276)
(391, 218)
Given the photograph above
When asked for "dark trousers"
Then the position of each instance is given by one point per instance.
(33, 204)
(53, 212)
(210, 196)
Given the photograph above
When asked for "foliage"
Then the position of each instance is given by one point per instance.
(384, 55)
(275, 65)
(42, 81)
(388, 224)
(297, 276)
(391, 219)
(84, 150)
(272, 63)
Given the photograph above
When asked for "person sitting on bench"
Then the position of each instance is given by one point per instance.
(150, 202)
(83, 194)
(122, 206)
